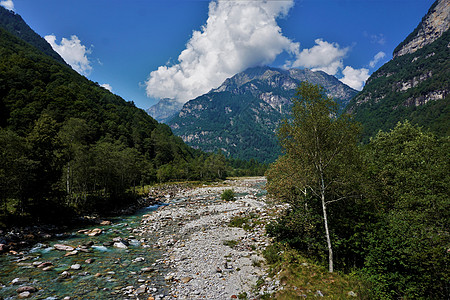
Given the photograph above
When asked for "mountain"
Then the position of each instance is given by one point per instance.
(415, 84)
(164, 110)
(241, 116)
(69, 146)
(14, 24)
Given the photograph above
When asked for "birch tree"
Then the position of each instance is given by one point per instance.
(321, 155)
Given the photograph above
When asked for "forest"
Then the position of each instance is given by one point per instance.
(379, 210)
(69, 146)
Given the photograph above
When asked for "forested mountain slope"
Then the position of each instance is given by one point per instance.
(241, 116)
(68, 144)
(14, 24)
(415, 84)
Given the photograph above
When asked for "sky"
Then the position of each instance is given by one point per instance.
(146, 50)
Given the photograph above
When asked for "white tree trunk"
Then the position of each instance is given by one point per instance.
(327, 232)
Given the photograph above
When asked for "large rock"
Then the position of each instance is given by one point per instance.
(62, 247)
(120, 245)
(30, 289)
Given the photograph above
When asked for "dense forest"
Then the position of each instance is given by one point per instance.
(379, 210)
(70, 146)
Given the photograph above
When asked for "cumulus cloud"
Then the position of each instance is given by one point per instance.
(73, 52)
(379, 56)
(8, 4)
(106, 86)
(323, 56)
(237, 35)
(355, 78)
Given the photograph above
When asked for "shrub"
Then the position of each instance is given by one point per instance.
(228, 195)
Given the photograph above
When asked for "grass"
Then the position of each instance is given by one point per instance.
(247, 222)
(230, 243)
(302, 278)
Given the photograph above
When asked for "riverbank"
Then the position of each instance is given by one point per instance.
(184, 249)
(206, 258)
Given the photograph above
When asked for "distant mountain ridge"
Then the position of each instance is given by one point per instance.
(164, 110)
(241, 116)
(415, 84)
(14, 24)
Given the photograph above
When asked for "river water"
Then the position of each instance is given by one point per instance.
(114, 274)
(107, 277)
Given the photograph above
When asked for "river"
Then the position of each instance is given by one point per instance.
(99, 270)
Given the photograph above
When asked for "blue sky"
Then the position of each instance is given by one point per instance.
(150, 49)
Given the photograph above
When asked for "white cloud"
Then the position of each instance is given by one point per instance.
(8, 4)
(73, 52)
(323, 56)
(236, 36)
(379, 56)
(355, 78)
(106, 86)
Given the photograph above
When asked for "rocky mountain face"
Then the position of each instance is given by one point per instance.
(164, 110)
(14, 24)
(433, 25)
(415, 84)
(241, 116)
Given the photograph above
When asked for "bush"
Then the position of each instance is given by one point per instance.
(228, 195)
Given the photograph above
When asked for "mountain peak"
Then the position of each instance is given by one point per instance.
(432, 26)
(14, 24)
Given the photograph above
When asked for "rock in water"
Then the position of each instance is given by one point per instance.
(62, 247)
(120, 245)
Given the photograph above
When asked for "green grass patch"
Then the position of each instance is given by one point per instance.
(230, 243)
(247, 222)
(302, 278)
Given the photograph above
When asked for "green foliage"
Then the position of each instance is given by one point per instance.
(246, 222)
(396, 237)
(407, 251)
(318, 175)
(228, 195)
(71, 146)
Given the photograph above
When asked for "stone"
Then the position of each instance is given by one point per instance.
(148, 269)
(352, 294)
(71, 253)
(75, 267)
(24, 295)
(20, 280)
(186, 279)
(120, 245)
(61, 247)
(45, 264)
(94, 232)
(105, 223)
(89, 260)
(139, 259)
(47, 268)
(30, 289)
(64, 275)
(168, 278)
(141, 290)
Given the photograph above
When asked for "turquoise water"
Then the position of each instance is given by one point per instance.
(112, 270)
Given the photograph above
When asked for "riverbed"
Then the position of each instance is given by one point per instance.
(183, 249)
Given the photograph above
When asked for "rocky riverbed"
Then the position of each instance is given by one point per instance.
(184, 250)
(208, 258)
